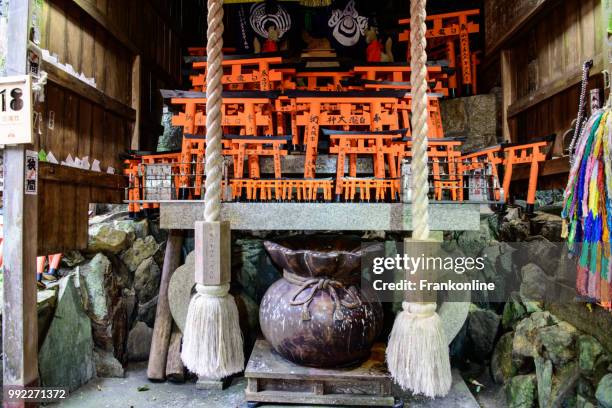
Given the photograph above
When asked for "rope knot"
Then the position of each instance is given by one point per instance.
(420, 309)
(322, 284)
(213, 291)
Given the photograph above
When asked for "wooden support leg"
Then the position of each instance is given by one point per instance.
(533, 185)
(452, 64)
(508, 175)
(162, 330)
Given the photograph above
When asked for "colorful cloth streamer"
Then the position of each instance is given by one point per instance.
(588, 209)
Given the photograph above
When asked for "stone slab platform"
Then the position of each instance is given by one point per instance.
(443, 216)
(123, 392)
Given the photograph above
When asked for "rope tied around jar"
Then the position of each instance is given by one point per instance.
(324, 284)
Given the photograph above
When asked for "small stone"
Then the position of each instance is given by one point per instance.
(514, 311)
(512, 213)
(525, 336)
(558, 342)
(139, 342)
(514, 231)
(535, 283)
(107, 365)
(473, 242)
(544, 375)
(136, 229)
(604, 391)
(146, 311)
(71, 259)
(104, 238)
(146, 280)
(140, 250)
(589, 351)
(547, 225)
(482, 331)
(521, 391)
(503, 365)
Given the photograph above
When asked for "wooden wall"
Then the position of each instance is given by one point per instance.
(131, 48)
(540, 52)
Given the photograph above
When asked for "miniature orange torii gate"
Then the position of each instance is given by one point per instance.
(451, 27)
(243, 73)
(378, 145)
(343, 111)
(244, 113)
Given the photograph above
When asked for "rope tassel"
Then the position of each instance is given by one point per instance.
(212, 345)
(417, 354)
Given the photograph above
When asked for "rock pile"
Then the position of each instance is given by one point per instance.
(105, 303)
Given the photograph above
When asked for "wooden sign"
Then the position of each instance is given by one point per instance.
(15, 110)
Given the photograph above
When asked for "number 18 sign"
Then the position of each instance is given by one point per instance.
(15, 110)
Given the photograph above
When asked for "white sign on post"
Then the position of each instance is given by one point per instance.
(15, 110)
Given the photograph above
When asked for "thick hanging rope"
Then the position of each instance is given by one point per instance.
(417, 354)
(420, 114)
(214, 95)
(212, 342)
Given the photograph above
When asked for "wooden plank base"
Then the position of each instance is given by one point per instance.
(272, 379)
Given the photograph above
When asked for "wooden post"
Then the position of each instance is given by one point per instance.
(19, 318)
(507, 92)
(175, 370)
(156, 369)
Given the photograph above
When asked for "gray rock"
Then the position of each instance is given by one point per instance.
(503, 365)
(107, 365)
(515, 230)
(482, 331)
(46, 302)
(104, 238)
(93, 280)
(139, 342)
(146, 311)
(524, 343)
(146, 280)
(254, 270)
(589, 351)
(514, 311)
(544, 376)
(473, 242)
(512, 213)
(535, 283)
(140, 250)
(521, 391)
(102, 298)
(135, 229)
(557, 342)
(66, 356)
(543, 253)
(547, 225)
(604, 391)
(71, 259)
(582, 402)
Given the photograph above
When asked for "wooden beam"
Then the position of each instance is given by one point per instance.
(552, 88)
(507, 92)
(80, 177)
(72, 84)
(92, 11)
(523, 13)
(19, 317)
(551, 167)
(136, 98)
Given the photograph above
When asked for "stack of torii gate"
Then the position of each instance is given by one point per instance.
(272, 109)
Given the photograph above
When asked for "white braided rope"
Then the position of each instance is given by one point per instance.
(420, 114)
(214, 90)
